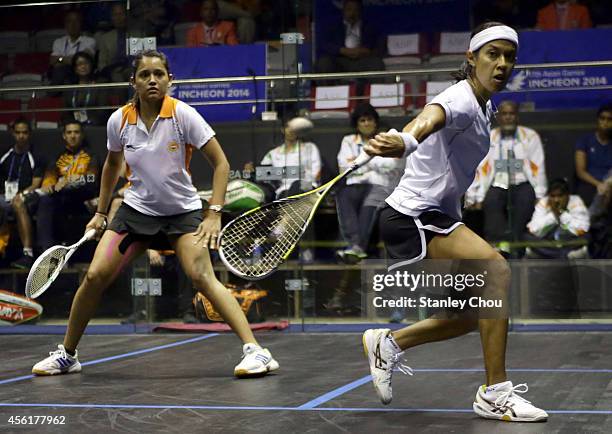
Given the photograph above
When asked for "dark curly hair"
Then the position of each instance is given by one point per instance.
(364, 109)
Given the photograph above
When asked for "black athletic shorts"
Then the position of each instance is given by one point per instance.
(154, 229)
(406, 238)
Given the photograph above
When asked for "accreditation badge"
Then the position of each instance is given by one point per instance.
(11, 188)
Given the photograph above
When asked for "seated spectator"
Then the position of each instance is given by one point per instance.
(366, 189)
(564, 15)
(81, 99)
(594, 156)
(515, 159)
(294, 153)
(21, 172)
(67, 46)
(508, 12)
(558, 216)
(211, 31)
(70, 179)
(113, 61)
(600, 243)
(155, 18)
(350, 46)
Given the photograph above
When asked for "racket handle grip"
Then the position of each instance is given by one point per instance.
(90, 234)
(361, 159)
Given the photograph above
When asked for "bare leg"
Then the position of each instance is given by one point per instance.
(196, 263)
(105, 266)
(462, 243)
(24, 222)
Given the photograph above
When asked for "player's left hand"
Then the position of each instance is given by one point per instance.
(208, 231)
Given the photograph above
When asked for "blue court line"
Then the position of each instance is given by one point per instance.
(124, 355)
(355, 384)
(335, 393)
(553, 370)
(271, 408)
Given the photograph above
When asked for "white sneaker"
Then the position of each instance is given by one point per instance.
(501, 402)
(383, 359)
(256, 361)
(58, 362)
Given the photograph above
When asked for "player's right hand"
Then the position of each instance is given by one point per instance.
(386, 145)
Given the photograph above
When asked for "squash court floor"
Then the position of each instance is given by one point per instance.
(177, 383)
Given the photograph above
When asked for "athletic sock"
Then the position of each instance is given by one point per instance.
(27, 251)
(71, 353)
(394, 344)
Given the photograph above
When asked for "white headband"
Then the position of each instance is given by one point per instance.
(491, 34)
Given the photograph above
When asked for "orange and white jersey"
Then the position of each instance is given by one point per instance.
(526, 146)
(158, 160)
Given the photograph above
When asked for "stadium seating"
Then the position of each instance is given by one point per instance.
(332, 101)
(43, 40)
(14, 42)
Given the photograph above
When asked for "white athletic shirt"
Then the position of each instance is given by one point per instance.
(158, 160)
(443, 166)
(382, 171)
(306, 156)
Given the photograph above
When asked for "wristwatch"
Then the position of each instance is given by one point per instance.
(215, 208)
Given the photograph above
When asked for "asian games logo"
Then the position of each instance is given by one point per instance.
(517, 82)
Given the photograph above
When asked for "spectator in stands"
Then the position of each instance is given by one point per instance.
(82, 99)
(594, 156)
(515, 158)
(113, 61)
(69, 180)
(21, 172)
(564, 15)
(600, 243)
(350, 46)
(506, 11)
(366, 189)
(559, 216)
(211, 31)
(155, 18)
(293, 153)
(67, 46)
(243, 12)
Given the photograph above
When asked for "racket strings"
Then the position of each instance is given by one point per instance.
(44, 270)
(258, 242)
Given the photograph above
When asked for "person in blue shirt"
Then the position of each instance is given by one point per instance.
(594, 156)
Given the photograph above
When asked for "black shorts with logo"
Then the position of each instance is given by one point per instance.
(154, 229)
(406, 238)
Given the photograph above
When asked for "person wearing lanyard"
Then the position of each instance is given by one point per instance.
(21, 172)
(156, 136)
(510, 178)
(64, 48)
(81, 100)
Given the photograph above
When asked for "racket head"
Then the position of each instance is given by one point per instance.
(45, 270)
(257, 242)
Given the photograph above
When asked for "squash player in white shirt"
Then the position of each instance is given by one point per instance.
(445, 143)
(156, 134)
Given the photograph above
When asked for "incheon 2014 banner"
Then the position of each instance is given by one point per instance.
(553, 88)
(220, 61)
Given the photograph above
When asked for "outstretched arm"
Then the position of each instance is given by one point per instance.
(397, 145)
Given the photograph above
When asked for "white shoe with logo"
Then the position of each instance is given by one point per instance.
(502, 402)
(383, 360)
(58, 362)
(256, 361)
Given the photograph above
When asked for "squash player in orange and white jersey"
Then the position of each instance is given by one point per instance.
(156, 135)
